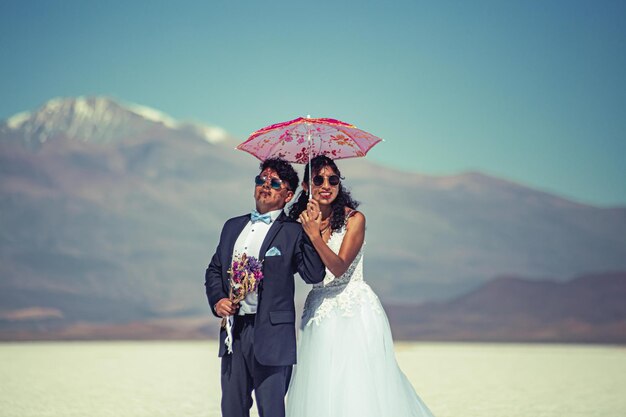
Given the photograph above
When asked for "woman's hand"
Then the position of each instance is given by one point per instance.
(311, 219)
(313, 208)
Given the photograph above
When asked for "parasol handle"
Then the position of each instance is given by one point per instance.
(308, 116)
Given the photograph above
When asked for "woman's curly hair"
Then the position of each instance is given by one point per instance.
(344, 198)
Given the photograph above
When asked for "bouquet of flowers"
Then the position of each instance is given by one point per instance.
(246, 274)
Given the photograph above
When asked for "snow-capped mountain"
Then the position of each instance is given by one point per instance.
(97, 120)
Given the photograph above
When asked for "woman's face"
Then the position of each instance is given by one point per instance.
(325, 193)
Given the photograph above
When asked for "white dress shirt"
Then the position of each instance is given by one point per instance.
(249, 242)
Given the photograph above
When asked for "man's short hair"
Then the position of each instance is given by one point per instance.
(284, 170)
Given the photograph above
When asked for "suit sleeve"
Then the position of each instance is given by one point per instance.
(308, 262)
(213, 279)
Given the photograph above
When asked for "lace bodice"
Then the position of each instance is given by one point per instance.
(354, 271)
(339, 295)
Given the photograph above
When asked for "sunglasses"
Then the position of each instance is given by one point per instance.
(275, 183)
(333, 180)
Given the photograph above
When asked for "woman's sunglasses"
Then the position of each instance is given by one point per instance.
(332, 180)
(274, 182)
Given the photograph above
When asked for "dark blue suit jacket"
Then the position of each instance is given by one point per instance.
(274, 326)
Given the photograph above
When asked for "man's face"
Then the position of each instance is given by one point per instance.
(268, 198)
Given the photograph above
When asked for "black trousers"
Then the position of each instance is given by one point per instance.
(242, 373)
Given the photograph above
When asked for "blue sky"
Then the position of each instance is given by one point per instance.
(531, 91)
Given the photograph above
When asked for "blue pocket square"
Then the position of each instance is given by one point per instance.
(273, 251)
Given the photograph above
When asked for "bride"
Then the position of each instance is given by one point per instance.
(346, 362)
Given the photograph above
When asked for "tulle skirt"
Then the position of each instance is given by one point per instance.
(346, 362)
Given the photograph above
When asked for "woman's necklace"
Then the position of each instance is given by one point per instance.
(326, 227)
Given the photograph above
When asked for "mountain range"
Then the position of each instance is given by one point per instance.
(110, 212)
(588, 308)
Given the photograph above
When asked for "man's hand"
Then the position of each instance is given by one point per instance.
(225, 307)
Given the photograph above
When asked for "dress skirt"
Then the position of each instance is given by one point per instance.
(346, 361)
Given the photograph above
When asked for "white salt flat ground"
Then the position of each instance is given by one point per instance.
(181, 379)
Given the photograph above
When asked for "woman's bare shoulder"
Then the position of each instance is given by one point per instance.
(354, 218)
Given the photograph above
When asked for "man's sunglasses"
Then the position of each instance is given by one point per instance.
(332, 180)
(274, 182)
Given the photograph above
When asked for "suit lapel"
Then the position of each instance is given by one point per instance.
(231, 239)
(271, 234)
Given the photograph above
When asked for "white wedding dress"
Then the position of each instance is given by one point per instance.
(346, 362)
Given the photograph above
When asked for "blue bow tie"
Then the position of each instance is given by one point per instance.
(255, 216)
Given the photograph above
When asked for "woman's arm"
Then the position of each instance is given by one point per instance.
(350, 247)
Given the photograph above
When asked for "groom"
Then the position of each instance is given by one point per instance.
(263, 335)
